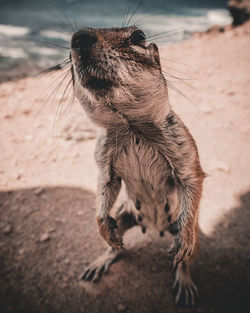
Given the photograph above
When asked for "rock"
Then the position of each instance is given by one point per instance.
(81, 137)
(7, 116)
(51, 230)
(68, 137)
(26, 111)
(221, 166)
(79, 213)
(240, 11)
(209, 71)
(28, 137)
(7, 230)
(18, 176)
(38, 191)
(206, 109)
(121, 307)
(44, 237)
(21, 251)
(67, 261)
(216, 29)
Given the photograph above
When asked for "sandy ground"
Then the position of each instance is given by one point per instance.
(48, 184)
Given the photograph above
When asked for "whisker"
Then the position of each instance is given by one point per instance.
(166, 68)
(127, 12)
(54, 68)
(62, 113)
(170, 84)
(76, 26)
(44, 103)
(57, 89)
(51, 44)
(70, 104)
(132, 15)
(178, 80)
(176, 77)
(63, 98)
(67, 19)
(67, 28)
(177, 62)
(143, 18)
(42, 93)
(154, 36)
(173, 87)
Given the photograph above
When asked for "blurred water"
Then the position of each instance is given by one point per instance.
(29, 29)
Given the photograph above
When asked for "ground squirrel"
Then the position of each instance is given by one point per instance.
(118, 80)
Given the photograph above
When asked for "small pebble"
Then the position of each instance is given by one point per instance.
(66, 261)
(223, 167)
(121, 307)
(28, 137)
(44, 237)
(38, 191)
(7, 116)
(7, 230)
(18, 176)
(51, 230)
(26, 112)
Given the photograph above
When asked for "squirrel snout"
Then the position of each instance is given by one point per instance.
(83, 39)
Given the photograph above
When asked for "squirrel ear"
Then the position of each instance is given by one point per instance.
(154, 53)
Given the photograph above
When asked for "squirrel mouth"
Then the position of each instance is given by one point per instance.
(95, 78)
(91, 72)
(98, 83)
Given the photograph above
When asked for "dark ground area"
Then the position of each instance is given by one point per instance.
(51, 235)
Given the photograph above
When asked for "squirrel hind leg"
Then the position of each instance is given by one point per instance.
(186, 292)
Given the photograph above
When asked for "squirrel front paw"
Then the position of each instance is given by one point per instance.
(107, 229)
(183, 246)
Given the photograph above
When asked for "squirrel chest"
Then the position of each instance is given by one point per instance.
(149, 183)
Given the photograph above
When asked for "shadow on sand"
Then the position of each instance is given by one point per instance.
(49, 234)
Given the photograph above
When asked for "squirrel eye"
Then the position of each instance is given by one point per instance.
(137, 38)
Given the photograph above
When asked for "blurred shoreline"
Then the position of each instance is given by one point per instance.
(31, 33)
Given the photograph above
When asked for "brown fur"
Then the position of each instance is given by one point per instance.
(142, 141)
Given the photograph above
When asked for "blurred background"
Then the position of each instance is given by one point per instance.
(48, 174)
(30, 30)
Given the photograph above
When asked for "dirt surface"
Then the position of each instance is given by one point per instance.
(48, 176)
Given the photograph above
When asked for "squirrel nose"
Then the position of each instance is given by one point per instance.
(83, 39)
